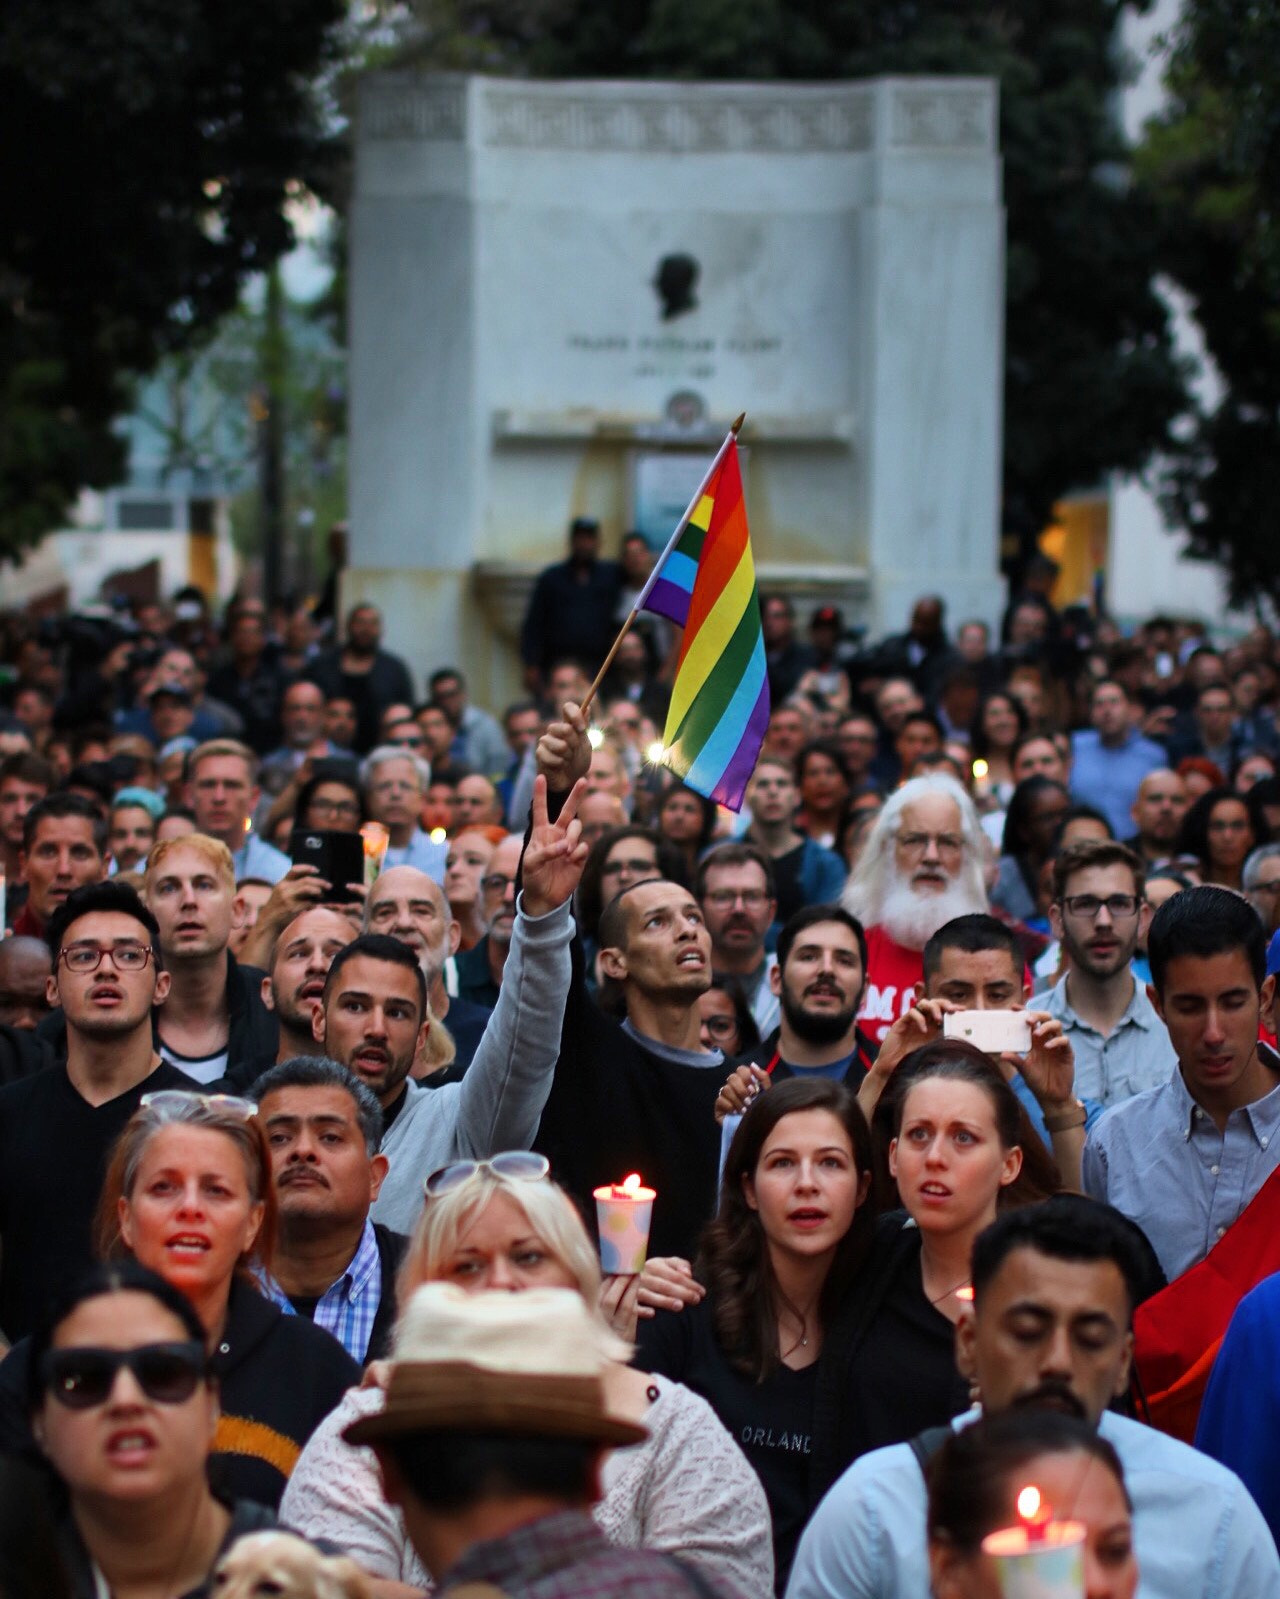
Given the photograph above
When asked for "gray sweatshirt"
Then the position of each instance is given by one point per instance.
(499, 1102)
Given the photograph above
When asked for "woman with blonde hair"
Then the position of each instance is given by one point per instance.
(501, 1225)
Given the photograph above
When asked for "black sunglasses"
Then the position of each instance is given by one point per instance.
(83, 1378)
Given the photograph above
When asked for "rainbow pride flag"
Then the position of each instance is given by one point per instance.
(706, 583)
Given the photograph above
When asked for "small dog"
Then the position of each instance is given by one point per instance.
(280, 1565)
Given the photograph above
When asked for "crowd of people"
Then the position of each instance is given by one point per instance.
(326, 1009)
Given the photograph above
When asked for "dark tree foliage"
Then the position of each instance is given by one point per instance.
(149, 148)
(1092, 383)
(1212, 165)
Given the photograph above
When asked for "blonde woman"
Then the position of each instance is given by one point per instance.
(501, 1225)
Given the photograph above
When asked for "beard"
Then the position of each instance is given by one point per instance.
(911, 918)
(823, 1027)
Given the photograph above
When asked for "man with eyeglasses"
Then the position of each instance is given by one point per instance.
(480, 969)
(57, 1127)
(1098, 912)
(395, 782)
(1185, 1159)
(1260, 880)
(734, 885)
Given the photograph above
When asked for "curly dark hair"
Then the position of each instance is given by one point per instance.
(733, 1259)
(1193, 836)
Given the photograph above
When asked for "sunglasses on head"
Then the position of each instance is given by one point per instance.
(521, 1164)
(180, 1104)
(167, 1373)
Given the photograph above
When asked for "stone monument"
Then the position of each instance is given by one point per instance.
(562, 293)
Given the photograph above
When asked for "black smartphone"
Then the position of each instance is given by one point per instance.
(338, 857)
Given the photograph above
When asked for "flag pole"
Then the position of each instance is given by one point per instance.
(692, 506)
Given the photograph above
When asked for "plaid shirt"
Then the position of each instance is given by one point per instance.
(347, 1308)
(566, 1556)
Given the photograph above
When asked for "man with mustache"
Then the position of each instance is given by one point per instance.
(1098, 912)
(734, 886)
(1055, 1286)
(331, 1262)
(921, 866)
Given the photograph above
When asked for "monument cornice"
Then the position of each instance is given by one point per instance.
(902, 114)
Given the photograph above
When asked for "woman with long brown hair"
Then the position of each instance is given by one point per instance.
(791, 1235)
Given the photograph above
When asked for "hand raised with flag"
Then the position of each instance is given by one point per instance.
(564, 750)
(555, 854)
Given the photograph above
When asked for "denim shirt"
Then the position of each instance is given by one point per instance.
(1135, 1055)
(1161, 1160)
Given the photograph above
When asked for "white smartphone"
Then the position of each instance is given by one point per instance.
(994, 1031)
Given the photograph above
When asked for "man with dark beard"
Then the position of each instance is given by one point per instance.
(921, 867)
(819, 979)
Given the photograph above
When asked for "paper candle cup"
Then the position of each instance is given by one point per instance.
(375, 838)
(623, 1217)
(1045, 1564)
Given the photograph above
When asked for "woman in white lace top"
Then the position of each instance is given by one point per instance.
(687, 1489)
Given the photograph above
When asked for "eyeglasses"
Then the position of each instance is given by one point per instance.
(724, 898)
(1273, 887)
(409, 741)
(1087, 906)
(720, 1026)
(918, 843)
(329, 807)
(1223, 824)
(88, 957)
(180, 1104)
(521, 1164)
(80, 1379)
(635, 867)
(495, 883)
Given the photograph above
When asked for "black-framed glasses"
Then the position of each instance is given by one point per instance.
(635, 867)
(521, 1164)
(724, 899)
(720, 1026)
(496, 883)
(167, 1373)
(332, 807)
(88, 957)
(1088, 906)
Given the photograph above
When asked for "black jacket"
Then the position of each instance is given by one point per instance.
(391, 1251)
(278, 1376)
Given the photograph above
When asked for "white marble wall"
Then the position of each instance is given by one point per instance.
(509, 357)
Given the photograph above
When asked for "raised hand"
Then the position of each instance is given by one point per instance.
(1049, 1066)
(555, 854)
(564, 750)
(740, 1089)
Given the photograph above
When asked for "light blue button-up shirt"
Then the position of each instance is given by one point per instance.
(257, 858)
(1107, 776)
(421, 851)
(1161, 1160)
(1197, 1533)
(1135, 1055)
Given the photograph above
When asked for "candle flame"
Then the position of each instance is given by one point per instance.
(375, 838)
(654, 753)
(965, 1294)
(595, 737)
(629, 1185)
(1029, 1503)
(980, 768)
(437, 835)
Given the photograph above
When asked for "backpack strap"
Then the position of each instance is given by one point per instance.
(926, 1444)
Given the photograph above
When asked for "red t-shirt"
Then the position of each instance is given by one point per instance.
(892, 974)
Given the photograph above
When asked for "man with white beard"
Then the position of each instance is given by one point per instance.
(921, 867)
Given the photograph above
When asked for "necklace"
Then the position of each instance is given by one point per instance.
(955, 1288)
(801, 1316)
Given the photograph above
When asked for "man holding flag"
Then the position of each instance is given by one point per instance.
(641, 1096)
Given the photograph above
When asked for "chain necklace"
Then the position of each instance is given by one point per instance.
(801, 1316)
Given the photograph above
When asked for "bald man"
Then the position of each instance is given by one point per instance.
(25, 965)
(412, 907)
(1157, 814)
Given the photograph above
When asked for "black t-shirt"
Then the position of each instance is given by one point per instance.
(54, 1149)
(772, 1421)
(786, 879)
(902, 1378)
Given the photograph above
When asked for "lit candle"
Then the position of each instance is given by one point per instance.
(375, 838)
(623, 1213)
(1040, 1558)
